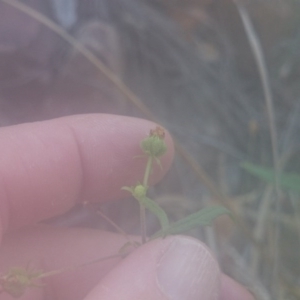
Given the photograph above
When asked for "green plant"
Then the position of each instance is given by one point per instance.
(18, 279)
(289, 181)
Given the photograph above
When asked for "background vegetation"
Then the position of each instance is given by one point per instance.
(221, 76)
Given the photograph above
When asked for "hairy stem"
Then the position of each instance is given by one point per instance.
(142, 207)
(73, 268)
(143, 223)
(147, 171)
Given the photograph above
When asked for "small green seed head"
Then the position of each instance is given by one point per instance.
(154, 146)
(139, 191)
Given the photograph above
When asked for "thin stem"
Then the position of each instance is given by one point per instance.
(59, 271)
(142, 207)
(112, 223)
(147, 171)
(143, 222)
(264, 76)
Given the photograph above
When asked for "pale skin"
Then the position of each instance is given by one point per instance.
(47, 167)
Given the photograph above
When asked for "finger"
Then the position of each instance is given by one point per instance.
(46, 167)
(231, 290)
(170, 268)
(173, 268)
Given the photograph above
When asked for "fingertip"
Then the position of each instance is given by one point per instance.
(120, 156)
(172, 268)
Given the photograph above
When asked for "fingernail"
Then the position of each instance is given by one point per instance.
(187, 270)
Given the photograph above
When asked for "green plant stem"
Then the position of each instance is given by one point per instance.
(143, 222)
(73, 268)
(147, 171)
(142, 207)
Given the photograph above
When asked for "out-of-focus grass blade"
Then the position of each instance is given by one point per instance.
(290, 181)
(157, 211)
(203, 217)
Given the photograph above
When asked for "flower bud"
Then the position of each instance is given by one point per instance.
(139, 191)
(154, 144)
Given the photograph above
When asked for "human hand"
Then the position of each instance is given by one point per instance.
(47, 167)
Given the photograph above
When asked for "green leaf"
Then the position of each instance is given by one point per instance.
(156, 210)
(290, 181)
(203, 217)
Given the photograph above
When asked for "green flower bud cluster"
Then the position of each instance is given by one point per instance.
(139, 191)
(154, 145)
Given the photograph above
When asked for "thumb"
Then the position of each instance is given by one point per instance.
(173, 268)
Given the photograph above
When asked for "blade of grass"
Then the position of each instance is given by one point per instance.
(264, 77)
